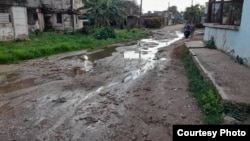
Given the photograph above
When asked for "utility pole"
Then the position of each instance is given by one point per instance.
(193, 18)
(140, 14)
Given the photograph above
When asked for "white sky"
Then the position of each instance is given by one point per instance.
(160, 5)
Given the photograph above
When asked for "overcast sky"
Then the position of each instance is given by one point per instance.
(160, 5)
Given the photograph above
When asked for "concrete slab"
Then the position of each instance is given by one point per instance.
(231, 79)
(195, 44)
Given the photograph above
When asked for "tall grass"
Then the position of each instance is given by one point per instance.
(48, 43)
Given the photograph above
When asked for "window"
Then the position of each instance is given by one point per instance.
(4, 9)
(4, 14)
(226, 12)
(59, 18)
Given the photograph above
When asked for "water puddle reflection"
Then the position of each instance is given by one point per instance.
(146, 50)
(101, 54)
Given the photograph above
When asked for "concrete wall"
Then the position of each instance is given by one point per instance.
(16, 27)
(69, 22)
(6, 32)
(234, 42)
(62, 4)
(14, 2)
(6, 29)
(25, 3)
(20, 22)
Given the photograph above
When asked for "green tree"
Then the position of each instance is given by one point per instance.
(103, 12)
(194, 13)
(131, 8)
(174, 12)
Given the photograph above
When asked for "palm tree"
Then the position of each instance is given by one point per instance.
(103, 12)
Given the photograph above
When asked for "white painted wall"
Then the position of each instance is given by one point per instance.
(235, 42)
(6, 32)
(20, 24)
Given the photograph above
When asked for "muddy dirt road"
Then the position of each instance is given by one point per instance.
(132, 92)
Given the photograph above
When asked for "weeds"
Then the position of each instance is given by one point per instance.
(210, 43)
(236, 111)
(204, 92)
(48, 43)
(207, 96)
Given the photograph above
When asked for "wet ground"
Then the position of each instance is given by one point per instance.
(130, 91)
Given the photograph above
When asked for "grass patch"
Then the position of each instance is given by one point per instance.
(207, 96)
(48, 43)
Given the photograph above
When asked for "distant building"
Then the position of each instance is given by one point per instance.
(165, 16)
(19, 17)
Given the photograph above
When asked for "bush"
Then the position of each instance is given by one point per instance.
(104, 33)
(238, 112)
(153, 22)
(210, 43)
(211, 103)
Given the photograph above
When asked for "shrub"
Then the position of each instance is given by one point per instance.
(210, 43)
(239, 112)
(153, 22)
(104, 33)
(211, 103)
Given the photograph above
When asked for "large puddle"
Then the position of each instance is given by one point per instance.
(147, 48)
(144, 50)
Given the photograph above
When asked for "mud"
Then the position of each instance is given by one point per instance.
(123, 92)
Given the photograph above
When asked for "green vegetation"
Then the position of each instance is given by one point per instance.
(210, 43)
(194, 13)
(105, 33)
(208, 98)
(239, 112)
(102, 13)
(48, 43)
(204, 91)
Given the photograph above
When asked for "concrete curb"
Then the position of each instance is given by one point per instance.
(208, 75)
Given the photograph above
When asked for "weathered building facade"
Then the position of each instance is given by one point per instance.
(61, 14)
(19, 17)
(13, 20)
(229, 29)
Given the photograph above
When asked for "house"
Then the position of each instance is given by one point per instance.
(13, 20)
(61, 14)
(228, 23)
(19, 17)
